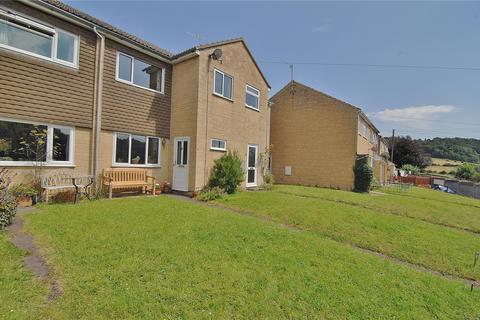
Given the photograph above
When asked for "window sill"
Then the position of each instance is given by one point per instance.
(220, 96)
(137, 86)
(119, 165)
(57, 62)
(217, 149)
(250, 107)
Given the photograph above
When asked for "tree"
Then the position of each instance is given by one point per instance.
(468, 171)
(363, 175)
(408, 151)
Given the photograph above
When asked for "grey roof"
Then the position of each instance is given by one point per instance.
(64, 8)
(80, 14)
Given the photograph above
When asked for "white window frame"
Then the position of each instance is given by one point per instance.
(53, 33)
(255, 95)
(117, 72)
(215, 148)
(49, 161)
(222, 95)
(129, 164)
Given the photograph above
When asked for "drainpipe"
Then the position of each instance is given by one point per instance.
(98, 114)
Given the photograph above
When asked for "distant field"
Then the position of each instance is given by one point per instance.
(444, 162)
(440, 165)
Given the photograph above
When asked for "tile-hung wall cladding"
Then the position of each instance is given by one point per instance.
(55, 56)
(137, 92)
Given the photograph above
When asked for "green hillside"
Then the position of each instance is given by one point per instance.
(460, 149)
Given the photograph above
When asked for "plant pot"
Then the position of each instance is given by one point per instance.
(36, 199)
(24, 201)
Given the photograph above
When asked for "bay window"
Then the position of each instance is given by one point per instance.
(28, 144)
(24, 35)
(136, 150)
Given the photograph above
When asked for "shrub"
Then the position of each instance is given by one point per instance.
(410, 168)
(8, 207)
(23, 190)
(227, 173)
(466, 171)
(209, 194)
(8, 203)
(363, 175)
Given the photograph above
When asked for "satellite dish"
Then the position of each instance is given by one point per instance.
(217, 54)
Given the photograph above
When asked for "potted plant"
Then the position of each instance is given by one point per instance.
(24, 194)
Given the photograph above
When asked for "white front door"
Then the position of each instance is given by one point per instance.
(180, 164)
(252, 155)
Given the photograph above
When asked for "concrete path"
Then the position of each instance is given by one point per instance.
(33, 261)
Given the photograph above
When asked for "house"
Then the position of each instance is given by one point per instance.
(99, 97)
(316, 139)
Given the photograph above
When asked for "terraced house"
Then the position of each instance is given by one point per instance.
(317, 138)
(103, 98)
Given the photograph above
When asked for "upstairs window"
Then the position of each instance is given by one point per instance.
(23, 143)
(136, 150)
(252, 97)
(138, 73)
(223, 84)
(27, 36)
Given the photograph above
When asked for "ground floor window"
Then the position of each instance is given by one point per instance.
(218, 144)
(27, 143)
(136, 150)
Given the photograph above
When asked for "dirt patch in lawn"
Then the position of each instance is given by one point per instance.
(34, 260)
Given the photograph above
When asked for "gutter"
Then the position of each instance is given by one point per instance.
(98, 107)
(182, 58)
(67, 16)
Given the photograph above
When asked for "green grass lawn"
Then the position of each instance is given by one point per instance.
(416, 203)
(423, 193)
(161, 258)
(436, 247)
(21, 296)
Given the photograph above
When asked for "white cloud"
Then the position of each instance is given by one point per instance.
(320, 28)
(418, 117)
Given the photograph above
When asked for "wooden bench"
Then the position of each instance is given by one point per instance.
(127, 179)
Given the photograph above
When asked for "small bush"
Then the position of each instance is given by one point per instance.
(410, 168)
(227, 173)
(23, 190)
(466, 171)
(209, 194)
(8, 207)
(363, 175)
(8, 202)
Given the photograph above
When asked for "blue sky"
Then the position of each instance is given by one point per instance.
(393, 33)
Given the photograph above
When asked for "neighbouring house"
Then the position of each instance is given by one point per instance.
(102, 98)
(316, 139)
